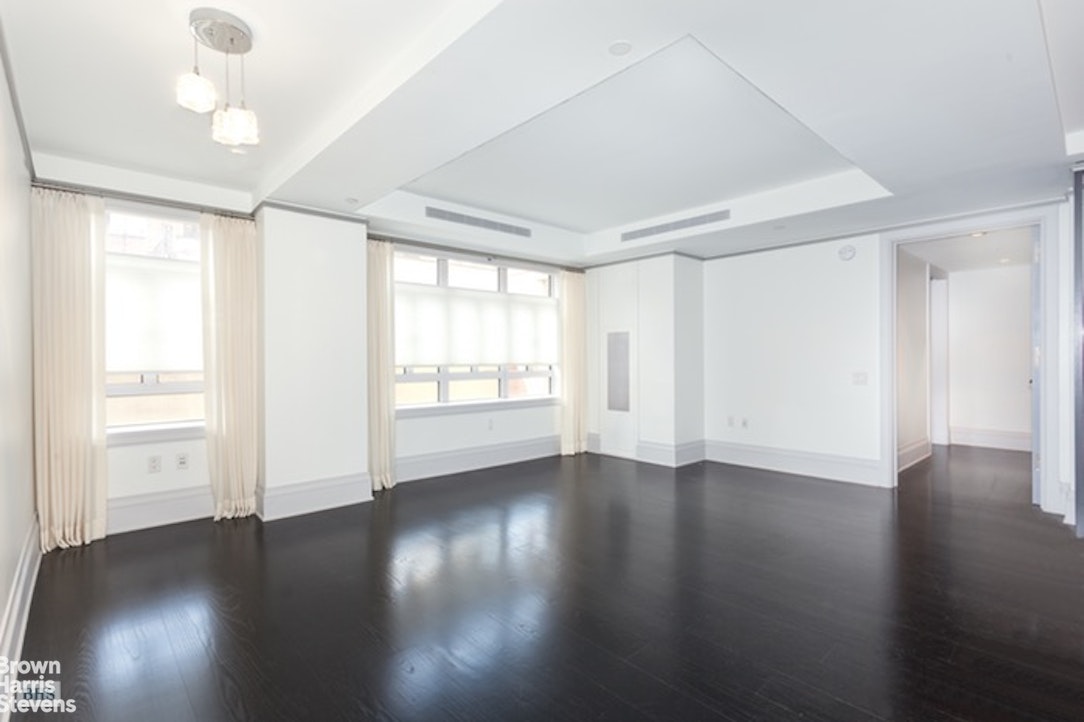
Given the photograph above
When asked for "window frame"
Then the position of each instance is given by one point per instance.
(504, 373)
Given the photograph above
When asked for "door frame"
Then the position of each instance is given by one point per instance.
(1050, 221)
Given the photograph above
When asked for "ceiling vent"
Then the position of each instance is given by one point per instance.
(453, 217)
(676, 225)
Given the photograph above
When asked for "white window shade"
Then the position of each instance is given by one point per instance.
(153, 316)
(437, 326)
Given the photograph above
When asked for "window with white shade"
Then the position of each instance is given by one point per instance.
(472, 330)
(154, 322)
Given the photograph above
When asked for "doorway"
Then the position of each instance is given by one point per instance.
(968, 335)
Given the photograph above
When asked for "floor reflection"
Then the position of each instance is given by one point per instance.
(589, 588)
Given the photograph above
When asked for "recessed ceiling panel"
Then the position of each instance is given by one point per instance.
(677, 130)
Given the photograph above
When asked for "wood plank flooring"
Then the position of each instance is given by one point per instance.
(589, 588)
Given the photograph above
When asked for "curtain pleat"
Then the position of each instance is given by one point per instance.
(573, 368)
(381, 361)
(68, 236)
(231, 361)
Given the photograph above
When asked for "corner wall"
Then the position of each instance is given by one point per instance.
(18, 544)
(657, 302)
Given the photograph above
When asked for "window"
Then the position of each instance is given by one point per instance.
(154, 323)
(472, 330)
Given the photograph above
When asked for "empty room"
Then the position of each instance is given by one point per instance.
(540, 359)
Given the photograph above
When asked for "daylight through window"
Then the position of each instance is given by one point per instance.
(472, 330)
(153, 326)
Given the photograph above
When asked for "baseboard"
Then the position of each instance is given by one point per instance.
(824, 466)
(424, 466)
(991, 439)
(17, 609)
(672, 455)
(281, 502)
(143, 511)
(594, 442)
(910, 454)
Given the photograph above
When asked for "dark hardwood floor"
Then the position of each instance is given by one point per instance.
(589, 588)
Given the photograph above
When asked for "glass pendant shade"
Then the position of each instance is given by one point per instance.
(196, 93)
(235, 126)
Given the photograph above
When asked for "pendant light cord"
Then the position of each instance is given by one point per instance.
(227, 79)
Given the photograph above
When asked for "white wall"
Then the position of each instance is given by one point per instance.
(129, 475)
(912, 359)
(939, 402)
(688, 351)
(314, 343)
(792, 341)
(613, 305)
(16, 371)
(658, 302)
(461, 438)
(990, 357)
(655, 352)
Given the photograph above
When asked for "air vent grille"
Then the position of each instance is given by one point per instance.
(453, 217)
(676, 225)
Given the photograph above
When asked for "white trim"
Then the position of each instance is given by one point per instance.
(17, 609)
(990, 438)
(154, 434)
(889, 446)
(594, 442)
(911, 454)
(144, 511)
(471, 407)
(280, 502)
(690, 452)
(824, 466)
(672, 455)
(424, 466)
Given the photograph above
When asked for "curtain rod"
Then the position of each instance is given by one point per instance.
(309, 211)
(409, 242)
(137, 198)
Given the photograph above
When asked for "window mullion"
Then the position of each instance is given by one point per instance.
(442, 384)
(442, 272)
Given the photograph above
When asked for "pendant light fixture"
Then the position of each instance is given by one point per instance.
(195, 92)
(230, 125)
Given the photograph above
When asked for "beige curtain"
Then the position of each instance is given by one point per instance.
(381, 357)
(68, 236)
(573, 363)
(231, 361)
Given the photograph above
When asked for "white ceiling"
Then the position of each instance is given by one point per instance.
(806, 120)
(676, 130)
(978, 251)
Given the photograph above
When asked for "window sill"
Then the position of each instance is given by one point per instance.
(154, 433)
(473, 407)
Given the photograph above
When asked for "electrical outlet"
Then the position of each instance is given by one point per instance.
(744, 423)
(730, 421)
(182, 460)
(154, 464)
